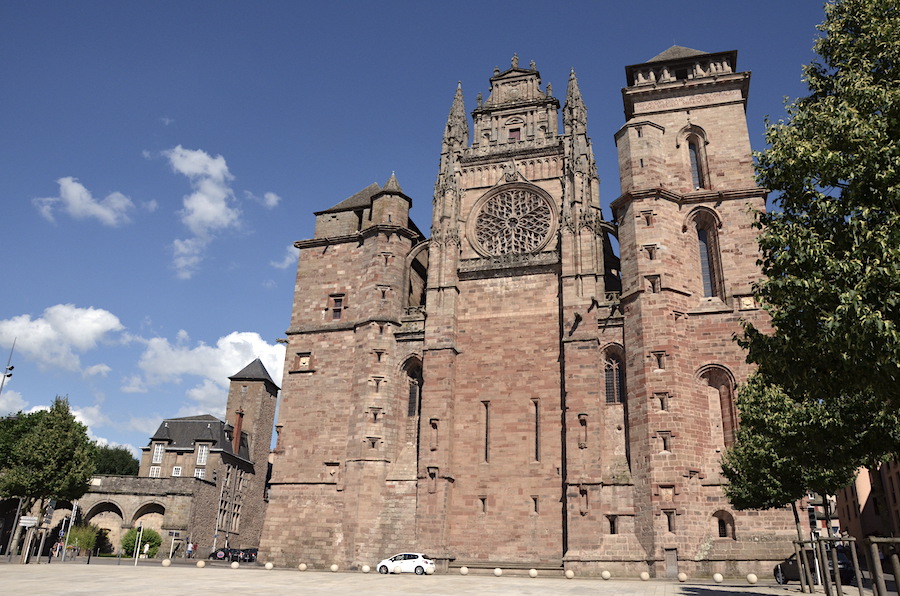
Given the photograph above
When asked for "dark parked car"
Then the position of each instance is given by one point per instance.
(788, 570)
(225, 554)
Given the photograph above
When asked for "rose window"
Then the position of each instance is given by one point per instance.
(513, 221)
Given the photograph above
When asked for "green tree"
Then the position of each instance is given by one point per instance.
(774, 461)
(149, 536)
(115, 460)
(12, 429)
(830, 252)
(51, 459)
(83, 537)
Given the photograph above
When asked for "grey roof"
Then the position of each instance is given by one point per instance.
(255, 371)
(676, 53)
(360, 200)
(183, 433)
(392, 184)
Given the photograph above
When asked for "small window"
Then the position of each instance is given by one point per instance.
(670, 520)
(613, 523)
(154, 471)
(483, 501)
(515, 135)
(723, 529)
(176, 471)
(534, 504)
(200, 473)
(158, 453)
(336, 306)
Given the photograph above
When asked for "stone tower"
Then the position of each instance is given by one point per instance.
(344, 469)
(249, 416)
(688, 253)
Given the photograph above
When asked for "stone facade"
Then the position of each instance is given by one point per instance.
(511, 391)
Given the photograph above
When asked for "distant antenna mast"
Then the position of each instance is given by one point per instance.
(7, 372)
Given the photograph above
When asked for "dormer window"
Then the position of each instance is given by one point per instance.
(202, 454)
(158, 453)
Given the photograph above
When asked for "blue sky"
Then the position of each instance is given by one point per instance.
(158, 159)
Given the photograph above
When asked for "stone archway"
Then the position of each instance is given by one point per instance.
(108, 516)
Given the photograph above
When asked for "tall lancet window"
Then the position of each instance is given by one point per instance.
(696, 165)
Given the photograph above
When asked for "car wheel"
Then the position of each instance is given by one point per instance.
(420, 570)
(383, 570)
(779, 576)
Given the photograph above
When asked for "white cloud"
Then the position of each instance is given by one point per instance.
(55, 339)
(90, 416)
(188, 254)
(11, 402)
(291, 254)
(97, 369)
(133, 384)
(166, 362)
(145, 425)
(166, 121)
(78, 202)
(269, 200)
(207, 210)
(150, 206)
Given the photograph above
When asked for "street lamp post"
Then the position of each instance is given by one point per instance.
(7, 372)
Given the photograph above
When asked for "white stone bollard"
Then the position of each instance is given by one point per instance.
(532, 573)
(498, 572)
(645, 576)
(397, 569)
(270, 566)
(302, 566)
(201, 564)
(366, 569)
(569, 574)
(334, 567)
(429, 571)
(464, 570)
(717, 577)
(235, 565)
(166, 562)
(751, 578)
(682, 577)
(605, 574)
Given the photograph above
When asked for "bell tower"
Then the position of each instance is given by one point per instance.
(688, 251)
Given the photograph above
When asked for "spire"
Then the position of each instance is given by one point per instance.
(456, 135)
(574, 112)
(392, 185)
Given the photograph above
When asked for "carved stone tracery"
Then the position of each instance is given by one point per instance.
(512, 221)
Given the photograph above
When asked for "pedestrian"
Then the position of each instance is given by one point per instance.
(190, 550)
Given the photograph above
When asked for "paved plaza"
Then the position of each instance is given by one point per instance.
(105, 576)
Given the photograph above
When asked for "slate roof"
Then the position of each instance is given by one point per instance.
(676, 53)
(360, 200)
(181, 434)
(255, 371)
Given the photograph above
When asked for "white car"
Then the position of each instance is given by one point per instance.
(407, 563)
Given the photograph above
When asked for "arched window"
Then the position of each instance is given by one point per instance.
(414, 379)
(724, 524)
(722, 412)
(693, 140)
(696, 165)
(614, 379)
(705, 224)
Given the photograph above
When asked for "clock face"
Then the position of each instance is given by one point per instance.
(514, 220)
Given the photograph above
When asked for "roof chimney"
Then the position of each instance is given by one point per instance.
(238, 425)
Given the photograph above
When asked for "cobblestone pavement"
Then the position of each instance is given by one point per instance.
(104, 576)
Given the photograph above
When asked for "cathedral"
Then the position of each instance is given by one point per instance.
(510, 391)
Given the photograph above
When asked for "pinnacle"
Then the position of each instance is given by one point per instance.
(392, 185)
